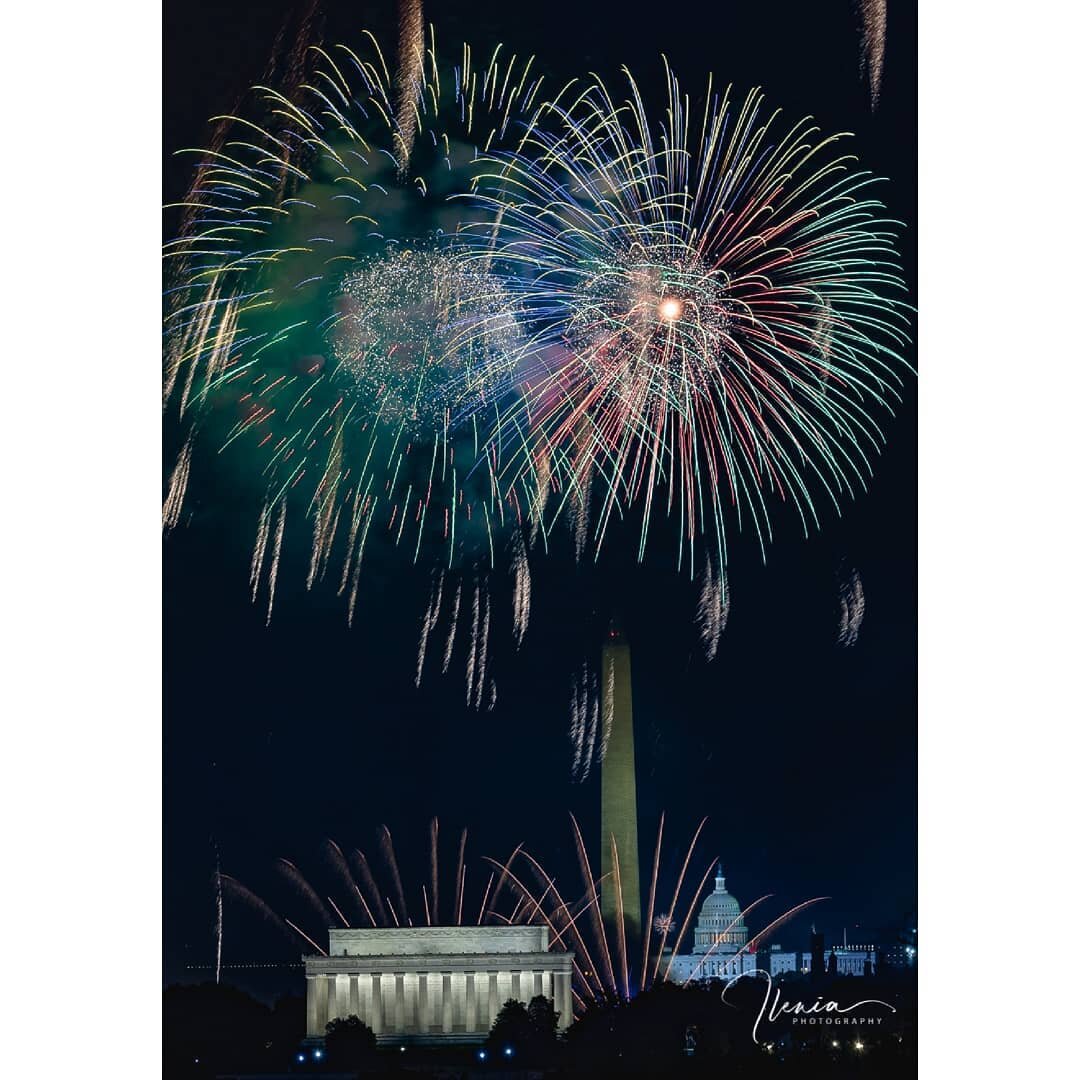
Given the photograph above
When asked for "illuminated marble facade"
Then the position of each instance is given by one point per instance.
(433, 984)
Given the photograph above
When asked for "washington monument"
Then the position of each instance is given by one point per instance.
(620, 889)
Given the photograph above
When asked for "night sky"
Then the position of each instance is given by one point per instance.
(801, 753)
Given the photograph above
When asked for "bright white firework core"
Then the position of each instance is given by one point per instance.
(671, 308)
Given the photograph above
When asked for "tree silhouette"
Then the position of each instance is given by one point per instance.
(349, 1042)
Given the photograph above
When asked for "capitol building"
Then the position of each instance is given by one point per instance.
(720, 948)
(719, 940)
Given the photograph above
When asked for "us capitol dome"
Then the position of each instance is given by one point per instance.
(721, 948)
(720, 940)
(720, 927)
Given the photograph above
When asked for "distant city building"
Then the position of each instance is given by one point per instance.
(433, 984)
(720, 948)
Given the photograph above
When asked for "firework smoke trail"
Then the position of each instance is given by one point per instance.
(852, 609)
(593, 900)
(220, 916)
(683, 275)
(275, 562)
(360, 411)
(577, 727)
(409, 77)
(178, 482)
(777, 923)
(714, 604)
(461, 875)
(675, 896)
(336, 858)
(258, 554)
(338, 912)
(584, 722)
(558, 932)
(580, 520)
(652, 902)
(481, 677)
(301, 885)
(620, 921)
(452, 632)
(686, 922)
(311, 941)
(484, 899)
(872, 57)
(374, 892)
(522, 588)
(386, 844)
(431, 617)
(258, 904)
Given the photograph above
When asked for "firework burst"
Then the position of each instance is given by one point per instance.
(714, 310)
(322, 332)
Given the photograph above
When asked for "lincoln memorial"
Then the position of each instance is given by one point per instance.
(433, 984)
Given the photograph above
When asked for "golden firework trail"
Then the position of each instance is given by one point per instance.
(178, 481)
(522, 588)
(873, 17)
(332, 392)
(409, 78)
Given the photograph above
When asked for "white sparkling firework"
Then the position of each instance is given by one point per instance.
(584, 723)
(663, 924)
(452, 633)
(220, 926)
(279, 536)
(178, 482)
(872, 60)
(410, 330)
(522, 588)
(608, 708)
(852, 609)
(431, 617)
(714, 605)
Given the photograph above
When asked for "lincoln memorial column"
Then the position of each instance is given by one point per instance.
(410, 995)
(376, 1022)
(401, 1021)
(563, 1005)
(545, 985)
(457, 987)
(470, 1002)
(331, 998)
(493, 995)
(435, 1009)
(504, 988)
(423, 1007)
(322, 988)
(341, 996)
(354, 995)
(312, 1011)
(365, 1012)
(447, 1002)
(483, 1021)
